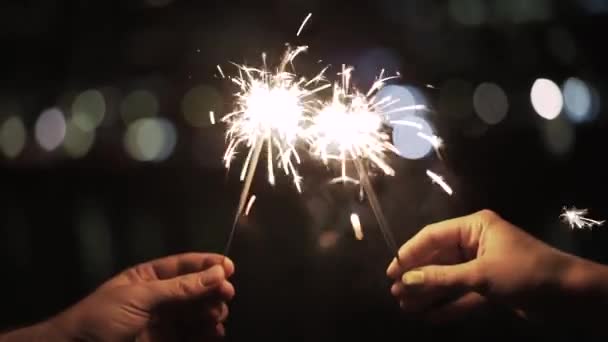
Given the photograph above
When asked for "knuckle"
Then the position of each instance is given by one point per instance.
(184, 288)
(487, 215)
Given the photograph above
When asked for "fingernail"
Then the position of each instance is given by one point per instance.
(413, 278)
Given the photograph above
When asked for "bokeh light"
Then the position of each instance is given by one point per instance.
(139, 104)
(88, 110)
(78, 141)
(559, 137)
(546, 98)
(407, 141)
(50, 129)
(578, 100)
(198, 102)
(404, 96)
(491, 103)
(150, 139)
(13, 136)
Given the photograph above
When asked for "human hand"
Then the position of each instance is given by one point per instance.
(457, 265)
(164, 299)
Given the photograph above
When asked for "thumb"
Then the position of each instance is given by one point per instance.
(463, 277)
(185, 287)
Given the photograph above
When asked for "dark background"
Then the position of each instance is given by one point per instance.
(68, 222)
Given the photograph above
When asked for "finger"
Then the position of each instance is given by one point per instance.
(465, 277)
(185, 287)
(462, 232)
(181, 264)
(220, 330)
(468, 303)
(218, 312)
(226, 291)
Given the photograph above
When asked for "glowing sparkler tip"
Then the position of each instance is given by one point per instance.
(576, 219)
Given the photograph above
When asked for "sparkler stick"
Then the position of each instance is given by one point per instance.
(375, 205)
(244, 193)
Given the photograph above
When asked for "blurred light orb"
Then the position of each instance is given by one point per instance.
(139, 104)
(578, 100)
(407, 141)
(559, 137)
(13, 136)
(546, 98)
(89, 110)
(150, 139)
(491, 103)
(467, 12)
(198, 102)
(50, 129)
(77, 142)
(402, 96)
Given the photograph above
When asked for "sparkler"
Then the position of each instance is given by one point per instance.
(576, 218)
(350, 128)
(271, 107)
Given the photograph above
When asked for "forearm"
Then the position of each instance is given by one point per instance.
(41, 332)
(580, 303)
(61, 328)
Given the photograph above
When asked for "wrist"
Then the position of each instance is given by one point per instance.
(67, 326)
(585, 278)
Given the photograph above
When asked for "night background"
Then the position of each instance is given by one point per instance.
(109, 157)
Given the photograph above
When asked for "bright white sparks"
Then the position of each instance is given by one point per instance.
(576, 218)
(250, 205)
(271, 109)
(212, 117)
(304, 24)
(350, 127)
(439, 180)
(356, 223)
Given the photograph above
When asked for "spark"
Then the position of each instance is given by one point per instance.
(576, 218)
(303, 24)
(219, 68)
(271, 107)
(250, 204)
(439, 180)
(212, 117)
(356, 223)
(351, 127)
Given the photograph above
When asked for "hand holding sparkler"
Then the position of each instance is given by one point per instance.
(465, 262)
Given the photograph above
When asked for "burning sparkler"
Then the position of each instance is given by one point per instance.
(576, 218)
(271, 108)
(351, 128)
